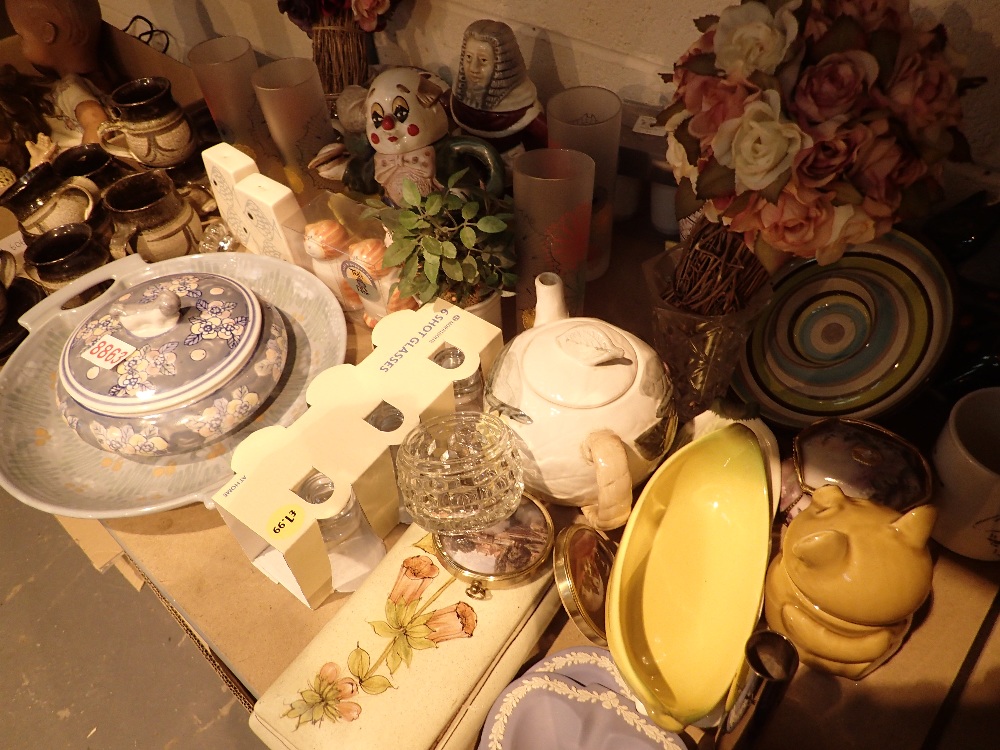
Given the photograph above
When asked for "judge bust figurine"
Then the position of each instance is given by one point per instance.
(493, 97)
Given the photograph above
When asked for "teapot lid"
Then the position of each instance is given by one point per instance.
(160, 344)
(579, 363)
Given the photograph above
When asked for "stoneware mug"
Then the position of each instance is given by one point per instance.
(42, 200)
(151, 217)
(90, 165)
(966, 460)
(62, 255)
(156, 130)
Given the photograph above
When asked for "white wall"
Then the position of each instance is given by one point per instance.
(621, 44)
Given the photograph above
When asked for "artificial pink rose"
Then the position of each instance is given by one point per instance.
(881, 214)
(366, 12)
(684, 78)
(805, 222)
(876, 171)
(713, 101)
(833, 153)
(415, 575)
(923, 93)
(893, 15)
(837, 85)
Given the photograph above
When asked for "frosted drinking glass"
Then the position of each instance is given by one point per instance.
(589, 119)
(552, 203)
(294, 106)
(223, 67)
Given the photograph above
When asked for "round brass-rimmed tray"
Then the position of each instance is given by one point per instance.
(503, 555)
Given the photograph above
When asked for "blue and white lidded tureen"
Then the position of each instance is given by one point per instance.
(170, 365)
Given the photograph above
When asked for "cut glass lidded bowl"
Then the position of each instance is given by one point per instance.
(170, 365)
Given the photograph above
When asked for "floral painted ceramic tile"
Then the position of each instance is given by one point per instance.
(407, 650)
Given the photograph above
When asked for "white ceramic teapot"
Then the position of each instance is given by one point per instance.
(591, 404)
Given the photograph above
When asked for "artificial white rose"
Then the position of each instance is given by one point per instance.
(760, 145)
(748, 38)
(679, 164)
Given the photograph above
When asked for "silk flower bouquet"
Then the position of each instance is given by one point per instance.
(808, 126)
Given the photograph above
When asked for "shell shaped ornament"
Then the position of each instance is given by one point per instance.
(171, 365)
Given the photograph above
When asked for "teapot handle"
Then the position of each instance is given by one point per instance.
(605, 450)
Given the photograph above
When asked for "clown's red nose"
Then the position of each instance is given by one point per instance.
(388, 123)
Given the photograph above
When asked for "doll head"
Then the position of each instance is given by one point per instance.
(58, 36)
(491, 65)
(404, 111)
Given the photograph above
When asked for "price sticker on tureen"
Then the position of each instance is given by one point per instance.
(108, 352)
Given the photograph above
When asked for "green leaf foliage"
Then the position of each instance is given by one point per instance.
(845, 34)
(702, 64)
(716, 181)
(376, 684)
(491, 225)
(456, 243)
(384, 629)
(705, 23)
(686, 202)
(359, 662)
(884, 46)
(411, 194)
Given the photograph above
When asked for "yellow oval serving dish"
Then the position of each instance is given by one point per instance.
(687, 583)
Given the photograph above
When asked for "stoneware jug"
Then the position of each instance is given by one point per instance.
(42, 200)
(151, 217)
(156, 130)
(591, 404)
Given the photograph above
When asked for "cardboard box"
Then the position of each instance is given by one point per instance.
(134, 59)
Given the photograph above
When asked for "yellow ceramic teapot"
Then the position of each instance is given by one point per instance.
(849, 577)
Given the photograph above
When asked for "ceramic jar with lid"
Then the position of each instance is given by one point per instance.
(172, 364)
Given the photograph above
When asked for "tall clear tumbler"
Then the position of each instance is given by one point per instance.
(224, 67)
(589, 119)
(552, 203)
(294, 106)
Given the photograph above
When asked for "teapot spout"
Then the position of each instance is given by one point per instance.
(550, 299)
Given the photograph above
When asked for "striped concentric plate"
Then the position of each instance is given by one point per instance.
(854, 338)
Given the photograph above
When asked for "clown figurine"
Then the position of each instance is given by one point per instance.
(407, 125)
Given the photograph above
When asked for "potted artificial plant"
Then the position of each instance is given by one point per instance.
(456, 243)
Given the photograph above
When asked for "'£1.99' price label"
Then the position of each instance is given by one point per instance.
(107, 352)
(287, 521)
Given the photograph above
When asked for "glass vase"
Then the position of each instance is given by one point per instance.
(700, 351)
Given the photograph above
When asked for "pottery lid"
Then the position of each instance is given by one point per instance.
(579, 363)
(160, 344)
(582, 563)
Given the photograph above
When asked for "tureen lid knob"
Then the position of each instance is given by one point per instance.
(150, 319)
